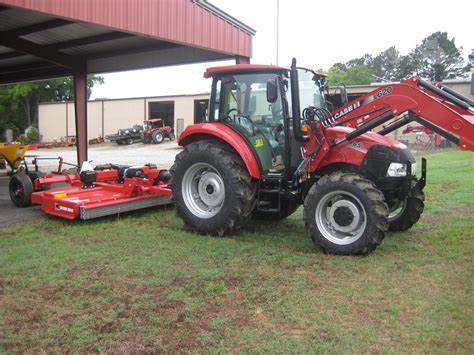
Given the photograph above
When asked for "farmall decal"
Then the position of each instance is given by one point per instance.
(348, 109)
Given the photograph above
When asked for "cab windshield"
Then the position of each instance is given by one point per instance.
(311, 92)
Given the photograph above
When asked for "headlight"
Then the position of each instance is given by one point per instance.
(127, 131)
(399, 169)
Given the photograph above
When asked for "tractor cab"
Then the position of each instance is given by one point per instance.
(256, 101)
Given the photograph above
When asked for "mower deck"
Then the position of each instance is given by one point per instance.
(103, 199)
(106, 190)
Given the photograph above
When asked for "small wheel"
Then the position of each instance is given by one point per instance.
(404, 214)
(212, 189)
(171, 136)
(20, 189)
(346, 214)
(129, 141)
(158, 137)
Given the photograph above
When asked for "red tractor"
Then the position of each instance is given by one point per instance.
(156, 131)
(270, 145)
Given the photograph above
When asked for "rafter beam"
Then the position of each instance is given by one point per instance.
(36, 74)
(37, 27)
(27, 47)
(26, 67)
(9, 55)
(109, 36)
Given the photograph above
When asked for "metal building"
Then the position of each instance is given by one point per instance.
(42, 39)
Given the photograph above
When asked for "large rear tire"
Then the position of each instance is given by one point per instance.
(346, 214)
(212, 189)
(20, 189)
(405, 214)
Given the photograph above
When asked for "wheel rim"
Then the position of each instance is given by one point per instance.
(341, 218)
(397, 209)
(17, 191)
(203, 190)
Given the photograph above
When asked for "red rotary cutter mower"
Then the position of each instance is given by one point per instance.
(105, 190)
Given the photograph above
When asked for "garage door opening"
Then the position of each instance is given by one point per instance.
(200, 110)
(163, 110)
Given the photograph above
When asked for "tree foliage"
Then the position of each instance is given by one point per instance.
(19, 102)
(436, 58)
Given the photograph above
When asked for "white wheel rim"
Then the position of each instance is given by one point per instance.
(203, 190)
(397, 210)
(340, 217)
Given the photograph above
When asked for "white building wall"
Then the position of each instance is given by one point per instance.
(52, 121)
(58, 120)
(122, 114)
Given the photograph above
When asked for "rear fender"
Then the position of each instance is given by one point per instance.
(224, 133)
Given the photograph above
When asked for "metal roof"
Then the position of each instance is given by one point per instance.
(50, 38)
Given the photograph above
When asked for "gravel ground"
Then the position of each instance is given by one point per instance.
(136, 154)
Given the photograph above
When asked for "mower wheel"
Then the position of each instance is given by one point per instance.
(129, 141)
(346, 214)
(171, 136)
(405, 214)
(212, 189)
(158, 137)
(20, 188)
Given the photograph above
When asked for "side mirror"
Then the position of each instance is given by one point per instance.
(272, 91)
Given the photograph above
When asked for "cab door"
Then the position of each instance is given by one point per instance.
(242, 103)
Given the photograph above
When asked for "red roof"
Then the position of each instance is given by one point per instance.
(249, 68)
(47, 38)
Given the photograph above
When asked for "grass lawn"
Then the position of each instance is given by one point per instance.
(142, 282)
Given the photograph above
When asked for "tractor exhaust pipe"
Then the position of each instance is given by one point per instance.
(444, 94)
(295, 103)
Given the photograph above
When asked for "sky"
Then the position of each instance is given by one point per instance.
(317, 33)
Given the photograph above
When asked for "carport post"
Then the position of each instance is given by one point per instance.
(80, 106)
(241, 60)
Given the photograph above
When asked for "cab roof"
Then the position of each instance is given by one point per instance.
(248, 68)
(242, 68)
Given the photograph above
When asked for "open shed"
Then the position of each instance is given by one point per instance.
(44, 39)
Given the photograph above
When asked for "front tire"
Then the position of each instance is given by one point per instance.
(346, 214)
(158, 137)
(405, 214)
(212, 189)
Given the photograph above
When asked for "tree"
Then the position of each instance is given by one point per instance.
(19, 102)
(357, 74)
(387, 65)
(437, 58)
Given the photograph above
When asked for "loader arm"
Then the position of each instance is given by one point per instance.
(392, 106)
